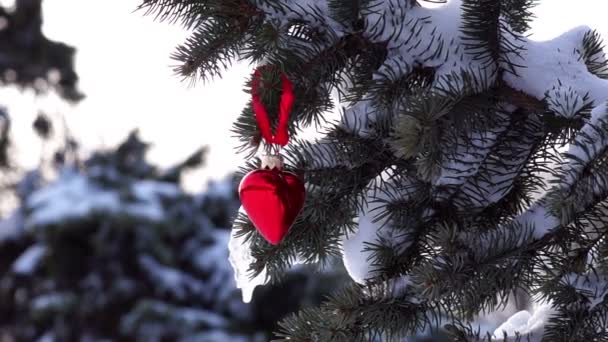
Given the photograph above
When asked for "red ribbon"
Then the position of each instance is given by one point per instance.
(287, 98)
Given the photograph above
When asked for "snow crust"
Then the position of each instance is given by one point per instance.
(357, 260)
(555, 70)
(421, 36)
(356, 254)
(524, 322)
(556, 63)
(488, 322)
(70, 196)
(539, 218)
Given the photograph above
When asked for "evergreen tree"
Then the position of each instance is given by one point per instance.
(31, 60)
(466, 176)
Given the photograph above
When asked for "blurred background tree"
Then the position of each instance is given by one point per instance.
(31, 60)
(115, 249)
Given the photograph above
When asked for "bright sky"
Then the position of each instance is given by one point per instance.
(124, 65)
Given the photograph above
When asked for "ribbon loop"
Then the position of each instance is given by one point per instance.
(281, 137)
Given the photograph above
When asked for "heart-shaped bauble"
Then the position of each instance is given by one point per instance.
(272, 200)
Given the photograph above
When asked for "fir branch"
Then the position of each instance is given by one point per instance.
(492, 31)
(173, 10)
(208, 52)
(519, 13)
(354, 314)
(327, 215)
(349, 13)
(192, 13)
(593, 54)
(472, 149)
(481, 30)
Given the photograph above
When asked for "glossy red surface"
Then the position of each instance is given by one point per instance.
(272, 199)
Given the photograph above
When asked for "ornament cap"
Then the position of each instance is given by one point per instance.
(271, 161)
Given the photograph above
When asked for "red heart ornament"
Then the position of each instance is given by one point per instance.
(272, 199)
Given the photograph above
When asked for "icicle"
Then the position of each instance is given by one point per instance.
(240, 258)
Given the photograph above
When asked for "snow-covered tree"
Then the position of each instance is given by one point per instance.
(29, 60)
(465, 181)
(114, 249)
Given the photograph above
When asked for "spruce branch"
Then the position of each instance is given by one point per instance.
(450, 161)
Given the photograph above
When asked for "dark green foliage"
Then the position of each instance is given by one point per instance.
(485, 25)
(592, 54)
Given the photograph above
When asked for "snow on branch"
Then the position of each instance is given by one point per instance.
(74, 196)
(314, 13)
(547, 65)
(376, 230)
(425, 37)
(556, 73)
